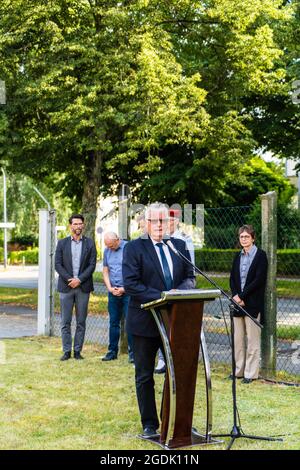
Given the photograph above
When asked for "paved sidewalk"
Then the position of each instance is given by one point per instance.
(16, 321)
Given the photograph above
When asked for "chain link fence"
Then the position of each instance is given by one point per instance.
(215, 259)
(220, 242)
(97, 321)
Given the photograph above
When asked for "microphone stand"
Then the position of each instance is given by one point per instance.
(236, 431)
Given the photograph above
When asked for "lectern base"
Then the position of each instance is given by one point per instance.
(196, 439)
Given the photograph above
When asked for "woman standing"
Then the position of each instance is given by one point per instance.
(247, 282)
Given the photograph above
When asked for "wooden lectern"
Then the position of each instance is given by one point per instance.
(178, 315)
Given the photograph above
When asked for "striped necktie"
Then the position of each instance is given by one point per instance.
(166, 269)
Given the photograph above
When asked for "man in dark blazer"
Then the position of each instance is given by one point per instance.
(149, 268)
(75, 262)
(247, 282)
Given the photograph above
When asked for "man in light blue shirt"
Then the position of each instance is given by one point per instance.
(117, 299)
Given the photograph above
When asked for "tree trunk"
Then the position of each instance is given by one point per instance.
(91, 192)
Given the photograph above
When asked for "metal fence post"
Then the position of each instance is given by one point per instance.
(46, 271)
(53, 242)
(269, 244)
(124, 233)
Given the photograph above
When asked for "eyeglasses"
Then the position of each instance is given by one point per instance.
(158, 221)
(245, 236)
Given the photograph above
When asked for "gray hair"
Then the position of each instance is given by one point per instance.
(156, 206)
(111, 236)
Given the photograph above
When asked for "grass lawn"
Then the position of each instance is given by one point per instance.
(48, 404)
(29, 298)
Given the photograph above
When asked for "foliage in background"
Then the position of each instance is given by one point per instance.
(255, 178)
(23, 204)
(221, 224)
(288, 224)
(276, 117)
(166, 96)
(234, 46)
(218, 260)
(90, 85)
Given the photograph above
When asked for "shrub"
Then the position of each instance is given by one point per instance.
(209, 259)
(288, 262)
(30, 256)
(24, 240)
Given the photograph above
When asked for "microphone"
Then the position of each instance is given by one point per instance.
(170, 244)
(211, 281)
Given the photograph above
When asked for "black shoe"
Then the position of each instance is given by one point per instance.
(231, 377)
(65, 356)
(195, 432)
(109, 357)
(247, 381)
(77, 355)
(149, 432)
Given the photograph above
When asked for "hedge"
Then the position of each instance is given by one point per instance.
(288, 262)
(216, 260)
(210, 259)
(207, 259)
(16, 257)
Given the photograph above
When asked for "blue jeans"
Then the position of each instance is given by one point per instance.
(117, 306)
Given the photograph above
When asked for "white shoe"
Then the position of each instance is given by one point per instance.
(161, 367)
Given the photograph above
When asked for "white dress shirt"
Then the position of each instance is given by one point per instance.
(166, 252)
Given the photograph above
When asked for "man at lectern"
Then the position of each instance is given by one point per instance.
(150, 267)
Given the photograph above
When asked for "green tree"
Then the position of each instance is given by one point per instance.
(257, 177)
(89, 84)
(235, 46)
(276, 117)
(150, 93)
(23, 204)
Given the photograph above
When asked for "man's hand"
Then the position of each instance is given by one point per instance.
(238, 300)
(117, 291)
(73, 282)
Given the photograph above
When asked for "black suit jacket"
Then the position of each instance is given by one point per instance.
(144, 281)
(254, 289)
(63, 264)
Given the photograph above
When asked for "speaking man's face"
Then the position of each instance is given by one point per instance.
(157, 224)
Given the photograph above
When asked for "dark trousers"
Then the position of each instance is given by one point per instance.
(144, 351)
(117, 307)
(80, 300)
